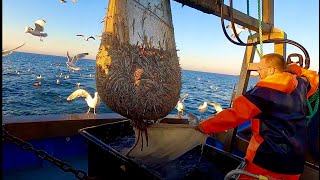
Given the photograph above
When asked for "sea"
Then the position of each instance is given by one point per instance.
(21, 98)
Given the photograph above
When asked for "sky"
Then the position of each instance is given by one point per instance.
(199, 37)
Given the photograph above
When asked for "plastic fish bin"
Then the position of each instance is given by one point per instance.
(106, 162)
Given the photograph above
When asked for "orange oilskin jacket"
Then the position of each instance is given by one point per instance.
(276, 107)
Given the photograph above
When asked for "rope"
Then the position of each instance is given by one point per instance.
(260, 28)
(277, 40)
(312, 111)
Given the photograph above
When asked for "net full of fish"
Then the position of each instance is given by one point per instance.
(137, 69)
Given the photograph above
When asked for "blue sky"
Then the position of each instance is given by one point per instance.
(199, 37)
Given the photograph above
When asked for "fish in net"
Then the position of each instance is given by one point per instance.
(138, 74)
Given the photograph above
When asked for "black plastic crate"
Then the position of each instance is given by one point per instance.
(106, 162)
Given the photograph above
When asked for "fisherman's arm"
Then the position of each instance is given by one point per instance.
(241, 111)
(312, 76)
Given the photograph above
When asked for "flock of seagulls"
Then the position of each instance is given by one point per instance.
(203, 108)
(95, 101)
(38, 31)
(86, 38)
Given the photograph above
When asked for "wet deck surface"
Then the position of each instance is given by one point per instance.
(48, 171)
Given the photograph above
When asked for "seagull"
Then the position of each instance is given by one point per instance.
(180, 105)
(238, 30)
(63, 1)
(203, 108)
(92, 102)
(74, 1)
(9, 51)
(216, 106)
(58, 81)
(39, 76)
(193, 119)
(75, 58)
(38, 29)
(37, 84)
(71, 60)
(87, 39)
(78, 85)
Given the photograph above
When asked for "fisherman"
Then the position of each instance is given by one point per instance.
(276, 107)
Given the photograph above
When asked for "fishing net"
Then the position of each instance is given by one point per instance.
(137, 69)
(166, 142)
(138, 76)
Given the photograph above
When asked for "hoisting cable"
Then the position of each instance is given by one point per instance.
(260, 27)
(276, 41)
(79, 174)
(260, 53)
(313, 111)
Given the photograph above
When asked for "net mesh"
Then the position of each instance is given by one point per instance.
(137, 69)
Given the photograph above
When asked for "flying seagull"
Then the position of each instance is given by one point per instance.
(91, 102)
(87, 39)
(72, 60)
(63, 1)
(238, 30)
(75, 58)
(9, 51)
(38, 29)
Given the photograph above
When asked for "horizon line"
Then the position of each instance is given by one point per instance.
(95, 60)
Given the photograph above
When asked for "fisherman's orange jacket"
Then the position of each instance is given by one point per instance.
(276, 107)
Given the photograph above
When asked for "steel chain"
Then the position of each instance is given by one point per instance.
(79, 174)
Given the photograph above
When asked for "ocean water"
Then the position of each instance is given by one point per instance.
(21, 98)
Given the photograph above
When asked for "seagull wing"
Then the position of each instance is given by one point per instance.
(78, 56)
(79, 93)
(69, 58)
(80, 35)
(39, 25)
(7, 52)
(91, 38)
